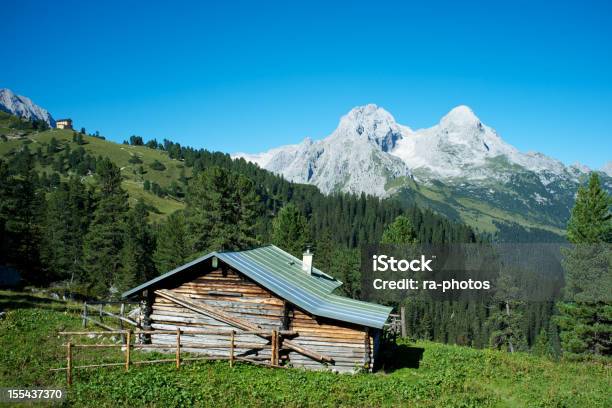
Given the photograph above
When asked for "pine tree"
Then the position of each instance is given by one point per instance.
(399, 232)
(542, 346)
(222, 211)
(585, 314)
(290, 230)
(104, 240)
(23, 210)
(64, 228)
(324, 251)
(345, 265)
(506, 315)
(173, 248)
(5, 196)
(591, 220)
(137, 264)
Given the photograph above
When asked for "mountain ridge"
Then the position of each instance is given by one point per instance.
(23, 107)
(460, 168)
(457, 160)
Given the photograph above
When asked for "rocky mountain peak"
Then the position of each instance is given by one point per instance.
(23, 107)
(370, 150)
(370, 122)
(460, 116)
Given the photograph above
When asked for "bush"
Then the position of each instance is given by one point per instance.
(135, 160)
(157, 165)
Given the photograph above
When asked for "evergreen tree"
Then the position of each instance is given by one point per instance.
(65, 225)
(79, 139)
(585, 314)
(53, 146)
(591, 221)
(173, 248)
(23, 209)
(222, 211)
(345, 265)
(324, 251)
(104, 240)
(137, 264)
(5, 196)
(542, 346)
(136, 140)
(157, 165)
(506, 315)
(290, 230)
(399, 232)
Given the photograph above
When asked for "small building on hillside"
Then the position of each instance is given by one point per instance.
(264, 289)
(63, 124)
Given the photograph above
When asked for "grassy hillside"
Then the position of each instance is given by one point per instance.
(446, 375)
(474, 208)
(120, 154)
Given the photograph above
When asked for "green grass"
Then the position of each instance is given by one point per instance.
(120, 154)
(472, 211)
(450, 376)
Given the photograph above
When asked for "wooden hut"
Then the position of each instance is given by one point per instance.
(264, 289)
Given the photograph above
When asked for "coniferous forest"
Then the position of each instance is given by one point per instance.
(66, 221)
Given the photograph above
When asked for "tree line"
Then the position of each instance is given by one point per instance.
(84, 234)
(76, 226)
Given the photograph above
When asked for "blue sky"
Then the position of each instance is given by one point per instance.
(248, 76)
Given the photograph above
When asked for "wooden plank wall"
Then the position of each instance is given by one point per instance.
(345, 343)
(238, 295)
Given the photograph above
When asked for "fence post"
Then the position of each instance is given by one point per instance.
(274, 356)
(178, 348)
(232, 349)
(127, 349)
(121, 321)
(403, 320)
(84, 314)
(69, 364)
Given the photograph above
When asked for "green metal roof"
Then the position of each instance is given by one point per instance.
(282, 274)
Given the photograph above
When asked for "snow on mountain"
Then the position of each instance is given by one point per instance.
(373, 123)
(23, 107)
(353, 158)
(462, 147)
(607, 168)
(369, 148)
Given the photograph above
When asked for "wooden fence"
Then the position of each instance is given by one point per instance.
(129, 345)
(91, 310)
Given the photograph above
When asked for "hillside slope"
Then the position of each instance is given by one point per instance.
(120, 154)
(449, 376)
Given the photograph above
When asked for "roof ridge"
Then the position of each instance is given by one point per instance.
(301, 261)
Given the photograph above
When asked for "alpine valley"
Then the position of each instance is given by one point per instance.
(459, 167)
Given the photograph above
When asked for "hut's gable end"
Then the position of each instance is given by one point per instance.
(237, 295)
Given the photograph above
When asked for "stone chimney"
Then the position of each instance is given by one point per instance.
(307, 261)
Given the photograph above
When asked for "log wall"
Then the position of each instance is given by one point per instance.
(351, 346)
